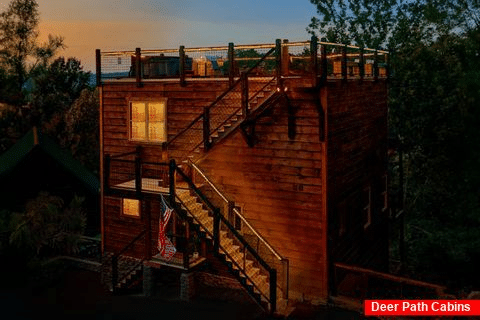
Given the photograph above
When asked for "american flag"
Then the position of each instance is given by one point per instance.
(165, 246)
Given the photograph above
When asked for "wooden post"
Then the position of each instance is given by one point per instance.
(324, 61)
(344, 62)
(182, 66)
(216, 229)
(273, 290)
(114, 273)
(278, 56)
(206, 128)
(231, 63)
(244, 78)
(98, 59)
(148, 228)
(285, 58)
(172, 166)
(361, 64)
(138, 66)
(138, 176)
(387, 65)
(313, 60)
(375, 66)
(186, 253)
(106, 176)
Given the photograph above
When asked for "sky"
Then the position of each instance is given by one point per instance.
(112, 25)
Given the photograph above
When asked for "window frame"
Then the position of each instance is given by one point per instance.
(147, 101)
(137, 216)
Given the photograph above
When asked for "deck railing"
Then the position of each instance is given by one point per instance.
(360, 283)
(322, 58)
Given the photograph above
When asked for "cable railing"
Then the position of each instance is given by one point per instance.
(228, 62)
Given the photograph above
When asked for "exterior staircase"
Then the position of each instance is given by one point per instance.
(232, 251)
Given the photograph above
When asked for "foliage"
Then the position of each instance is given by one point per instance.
(20, 53)
(48, 225)
(434, 96)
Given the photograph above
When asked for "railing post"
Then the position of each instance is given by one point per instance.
(216, 230)
(172, 166)
(186, 254)
(361, 64)
(114, 273)
(231, 64)
(231, 215)
(344, 62)
(245, 110)
(324, 61)
(182, 66)
(148, 228)
(285, 58)
(313, 59)
(387, 65)
(278, 56)
(138, 66)
(375, 66)
(98, 60)
(206, 128)
(106, 174)
(138, 176)
(273, 290)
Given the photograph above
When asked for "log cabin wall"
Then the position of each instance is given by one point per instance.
(277, 184)
(357, 166)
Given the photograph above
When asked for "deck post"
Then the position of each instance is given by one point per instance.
(138, 176)
(182, 66)
(231, 65)
(324, 60)
(216, 229)
(206, 128)
(172, 166)
(278, 56)
(387, 65)
(361, 64)
(273, 290)
(138, 66)
(285, 58)
(375, 66)
(106, 175)
(244, 78)
(148, 228)
(313, 59)
(98, 60)
(344, 63)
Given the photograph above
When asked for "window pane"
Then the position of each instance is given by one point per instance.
(157, 131)
(138, 112)
(156, 111)
(138, 131)
(131, 207)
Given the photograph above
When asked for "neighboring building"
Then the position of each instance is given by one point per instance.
(278, 189)
(36, 163)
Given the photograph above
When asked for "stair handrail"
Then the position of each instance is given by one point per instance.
(237, 235)
(219, 98)
(275, 253)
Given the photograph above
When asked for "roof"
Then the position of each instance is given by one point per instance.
(34, 139)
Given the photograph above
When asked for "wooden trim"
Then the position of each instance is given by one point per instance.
(102, 196)
(324, 196)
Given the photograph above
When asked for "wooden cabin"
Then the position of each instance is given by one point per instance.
(275, 180)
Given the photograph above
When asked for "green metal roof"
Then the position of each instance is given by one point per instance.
(35, 139)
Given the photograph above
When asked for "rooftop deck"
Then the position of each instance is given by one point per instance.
(283, 58)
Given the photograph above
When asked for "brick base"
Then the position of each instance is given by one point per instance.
(187, 286)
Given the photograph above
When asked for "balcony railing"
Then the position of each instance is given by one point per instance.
(318, 59)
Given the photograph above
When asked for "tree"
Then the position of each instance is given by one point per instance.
(20, 53)
(433, 113)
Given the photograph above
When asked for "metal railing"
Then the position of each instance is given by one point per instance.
(238, 101)
(233, 215)
(314, 57)
(360, 283)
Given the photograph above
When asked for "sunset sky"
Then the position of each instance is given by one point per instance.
(151, 24)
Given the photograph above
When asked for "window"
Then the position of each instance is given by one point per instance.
(367, 207)
(131, 207)
(148, 121)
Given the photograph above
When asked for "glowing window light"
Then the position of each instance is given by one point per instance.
(131, 207)
(148, 121)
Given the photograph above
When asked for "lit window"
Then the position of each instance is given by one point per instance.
(148, 121)
(131, 207)
(367, 207)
